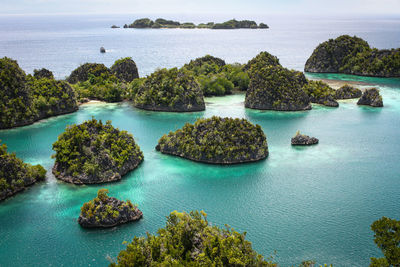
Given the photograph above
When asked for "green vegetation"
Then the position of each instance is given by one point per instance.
(347, 92)
(169, 90)
(217, 140)
(216, 77)
(26, 99)
(190, 240)
(387, 238)
(320, 93)
(371, 97)
(83, 72)
(105, 211)
(163, 23)
(276, 88)
(93, 152)
(353, 55)
(125, 69)
(15, 175)
(263, 59)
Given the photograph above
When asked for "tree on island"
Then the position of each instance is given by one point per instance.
(387, 238)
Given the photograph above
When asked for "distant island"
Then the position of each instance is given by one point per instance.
(146, 23)
(353, 55)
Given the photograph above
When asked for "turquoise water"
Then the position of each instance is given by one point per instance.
(306, 203)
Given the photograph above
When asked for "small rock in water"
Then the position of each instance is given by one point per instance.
(102, 50)
(303, 140)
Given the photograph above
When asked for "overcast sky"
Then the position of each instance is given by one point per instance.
(320, 7)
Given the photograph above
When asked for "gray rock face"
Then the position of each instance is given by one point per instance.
(371, 97)
(303, 140)
(102, 50)
(110, 212)
(125, 69)
(347, 92)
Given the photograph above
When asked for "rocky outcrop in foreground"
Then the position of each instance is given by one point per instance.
(353, 55)
(303, 140)
(170, 90)
(217, 141)
(125, 69)
(15, 175)
(347, 92)
(371, 97)
(93, 152)
(104, 211)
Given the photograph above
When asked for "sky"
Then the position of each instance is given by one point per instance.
(318, 7)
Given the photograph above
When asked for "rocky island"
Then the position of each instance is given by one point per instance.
(170, 90)
(371, 97)
(104, 211)
(146, 23)
(353, 55)
(25, 99)
(15, 175)
(320, 93)
(347, 92)
(273, 87)
(93, 152)
(191, 240)
(217, 141)
(303, 140)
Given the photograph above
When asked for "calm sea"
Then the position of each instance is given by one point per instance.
(309, 203)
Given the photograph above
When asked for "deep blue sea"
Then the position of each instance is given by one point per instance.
(304, 203)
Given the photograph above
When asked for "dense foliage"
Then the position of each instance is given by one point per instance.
(105, 211)
(320, 93)
(15, 175)
(190, 240)
(263, 59)
(216, 77)
(43, 73)
(353, 55)
(83, 72)
(163, 23)
(276, 88)
(217, 140)
(125, 69)
(93, 152)
(347, 92)
(170, 90)
(26, 99)
(387, 238)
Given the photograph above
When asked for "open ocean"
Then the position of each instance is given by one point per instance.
(304, 203)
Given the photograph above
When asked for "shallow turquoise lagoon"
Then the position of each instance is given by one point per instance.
(306, 203)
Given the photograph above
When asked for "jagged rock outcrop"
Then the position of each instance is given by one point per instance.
(303, 140)
(125, 69)
(263, 59)
(217, 141)
(347, 92)
(104, 211)
(43, 73)
(81, 73)
(207, 59)
(371, 97)
(15, 175)
(276, 88)
(170, 90)
(353, 55)
(320, 93)
(102, 50)
(93, 152)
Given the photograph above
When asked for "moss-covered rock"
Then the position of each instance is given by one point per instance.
(263, 59)
(320, 93)
(125, 69)
(15, 175)
(353, 55)
(43, 73)
(207, 59)
(104, 211)
(170, 90)
(93, 152)
(217, 140)
(82, 73)
(276, 88)
(191, 240)
(347, 92)
(371, 97)
(303, 140)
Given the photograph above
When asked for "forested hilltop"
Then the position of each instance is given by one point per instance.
(170, 24)
(353, 55)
